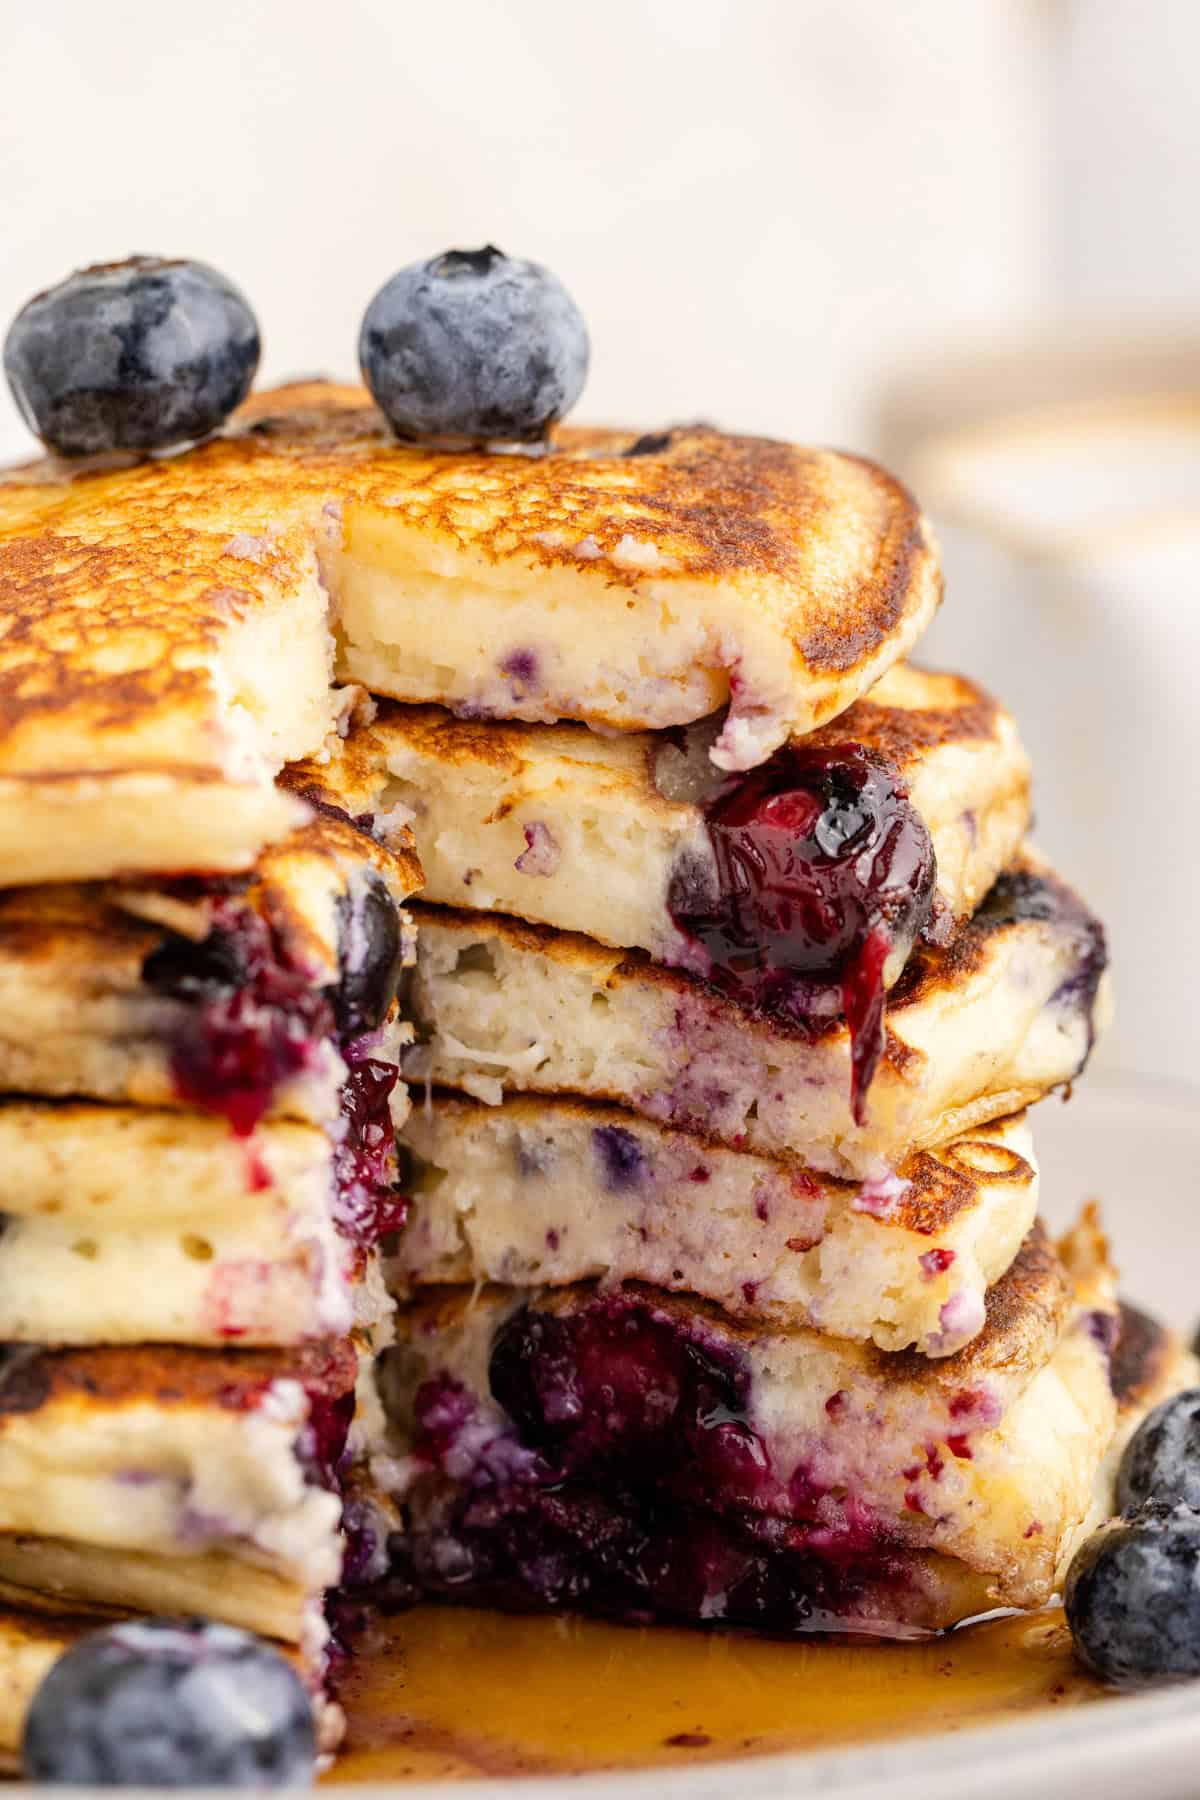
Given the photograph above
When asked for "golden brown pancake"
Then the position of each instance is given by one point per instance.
(163, 633)
(590, 834)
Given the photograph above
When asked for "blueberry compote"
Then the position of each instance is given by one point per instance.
(618, 1382)
(630, 1554)
(255, 1021)
(370, 1204)
(823, 867)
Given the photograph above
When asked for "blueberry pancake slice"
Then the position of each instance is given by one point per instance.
(270, 995)
(626, 1451)
(982, 1026)
(546, 1192)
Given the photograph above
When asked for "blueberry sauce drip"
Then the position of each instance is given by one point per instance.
(255, 1020)
(822, 867)
(640, 1556)
(370, 1204)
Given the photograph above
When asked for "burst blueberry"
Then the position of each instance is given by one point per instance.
(170, 1703)
(473, 346)
(136, 355)
(1132, 1596)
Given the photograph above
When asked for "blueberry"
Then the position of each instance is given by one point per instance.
(473, 345)
(1162, 1458)
(134, 355)
(1133, 1596)
(170, 1703)
(369, 953)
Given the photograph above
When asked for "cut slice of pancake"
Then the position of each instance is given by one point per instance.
(560, 827)
(840, 1455)
(546, 1192)
(976, 1029)
(161, 657)
(128, 1225)
(177, 1480)
(243, 997)
(608, 1542)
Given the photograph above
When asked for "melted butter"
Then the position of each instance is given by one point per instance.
(444, 1694)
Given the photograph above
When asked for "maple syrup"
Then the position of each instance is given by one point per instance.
(448, 1693)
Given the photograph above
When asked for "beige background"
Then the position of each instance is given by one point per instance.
(763, 207)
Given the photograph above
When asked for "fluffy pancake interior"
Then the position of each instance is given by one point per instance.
(976, 1029)
(551, 1192)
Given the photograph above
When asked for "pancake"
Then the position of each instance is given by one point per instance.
(169, 1479)
(548, 1192)
(582, 1546)
(839, 1455)
(237, 996)
(561, 827)
(159, 663)
(976, 1029)
(629, 582)
(128, 1225)
(164, 632)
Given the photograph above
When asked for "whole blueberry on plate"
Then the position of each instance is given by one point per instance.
(170, 1703)
(1132, 1596)
(134, 355)
(1162, 1458)
(473, 346)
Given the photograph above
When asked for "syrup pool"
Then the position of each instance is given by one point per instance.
(449, 1693)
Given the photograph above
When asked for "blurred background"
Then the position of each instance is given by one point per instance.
(959, 233)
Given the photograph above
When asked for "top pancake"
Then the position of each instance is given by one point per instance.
(164, 641)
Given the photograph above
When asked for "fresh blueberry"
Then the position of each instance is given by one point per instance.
(1162, 1458)
(1133, 1596)
(134, 355)
(474, 345)
(170, 1703)
(370, 953)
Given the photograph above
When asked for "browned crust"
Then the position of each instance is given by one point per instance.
(1026, 1310)
(168, 1375)
(722, 506)
(945, 1182)
(900, 735)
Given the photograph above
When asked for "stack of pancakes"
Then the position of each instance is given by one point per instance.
(709, 1309)
(199, 1062)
